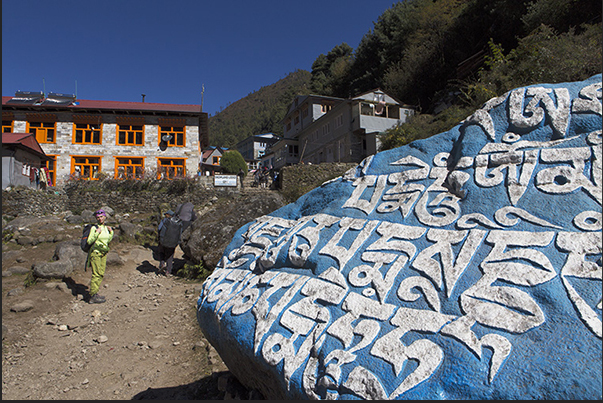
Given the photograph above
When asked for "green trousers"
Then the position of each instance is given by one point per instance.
(97, 262)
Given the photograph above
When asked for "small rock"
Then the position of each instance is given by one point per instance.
(63, 287)
(62, 328)
(155, 344)
(23, 306)
(15, 291)
(102, 339)
(19, 270)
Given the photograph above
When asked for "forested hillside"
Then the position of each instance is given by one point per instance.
(446, 57)
(259, 112)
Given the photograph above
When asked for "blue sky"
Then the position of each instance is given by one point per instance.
(168, 49)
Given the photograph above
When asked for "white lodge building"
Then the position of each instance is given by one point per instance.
(328, 129)
(85, 138)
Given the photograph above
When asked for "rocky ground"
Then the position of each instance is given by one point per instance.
(143, 343)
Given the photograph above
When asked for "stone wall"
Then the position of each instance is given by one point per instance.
(91, 196)
(299, 179)
(146, 196)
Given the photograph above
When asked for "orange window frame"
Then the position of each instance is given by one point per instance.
(170, 168)
(129, 167)
(7, 126)
(87, 133)
(178, 135)
(52, 169)
(45, 132)
(89, 166)
(130, 135)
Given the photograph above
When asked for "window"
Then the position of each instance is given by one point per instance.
(170, 168)
(324, 108)
(339, 121)
(288, 124)
(85, 167)
(129, 167)
(393, 112)
(215, 160)
(293, 150)
(52, 169)
(130, 135)
(87, 133)
(296, 118)
(305, 111)
(7, 126)
(44, 131)
(366, 109)
(326, 129)
(174, 133)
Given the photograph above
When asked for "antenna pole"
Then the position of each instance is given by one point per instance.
(202, 91)
(43, 86)
(75, 89)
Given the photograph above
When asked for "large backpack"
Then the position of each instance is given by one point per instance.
(84, 240)
(170, 232)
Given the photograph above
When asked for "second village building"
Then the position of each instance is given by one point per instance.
(89, 139)
(320, 129)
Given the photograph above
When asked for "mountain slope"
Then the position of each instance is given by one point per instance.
(259, 112)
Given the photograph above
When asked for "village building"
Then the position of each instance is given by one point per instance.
(92, 139)
(328, 129)
(253, 148)
(210, 160)
(23, 161)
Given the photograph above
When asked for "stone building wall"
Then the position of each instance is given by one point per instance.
(64, 148)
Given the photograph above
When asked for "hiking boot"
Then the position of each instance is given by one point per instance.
(97, 299)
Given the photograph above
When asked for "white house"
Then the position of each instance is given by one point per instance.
(328, 129)
(253, 148)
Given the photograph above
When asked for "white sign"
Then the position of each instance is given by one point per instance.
(225, 180)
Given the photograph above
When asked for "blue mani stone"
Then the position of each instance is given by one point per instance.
(463, 266)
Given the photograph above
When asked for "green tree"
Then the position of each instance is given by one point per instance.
(330, 73)
(541, 57)
(232, 161)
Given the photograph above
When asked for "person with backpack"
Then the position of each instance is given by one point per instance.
(98, 239)
(186, 212)
(170, 230)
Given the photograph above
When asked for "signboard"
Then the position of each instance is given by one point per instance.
(225, 180)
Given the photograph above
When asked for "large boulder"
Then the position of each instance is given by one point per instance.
(207, 237)
(67, 257)
(463, 266)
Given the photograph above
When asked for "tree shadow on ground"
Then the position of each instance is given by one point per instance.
(204, 389)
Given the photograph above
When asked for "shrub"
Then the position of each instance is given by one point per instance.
(194, 271)
(232, 161)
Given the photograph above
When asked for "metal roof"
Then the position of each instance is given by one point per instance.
(25, 141)
(86, 105)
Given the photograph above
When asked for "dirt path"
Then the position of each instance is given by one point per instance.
(143, 343)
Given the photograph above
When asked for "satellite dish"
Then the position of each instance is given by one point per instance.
(166, 137)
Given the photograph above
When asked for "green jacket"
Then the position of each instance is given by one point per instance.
(100, 241)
